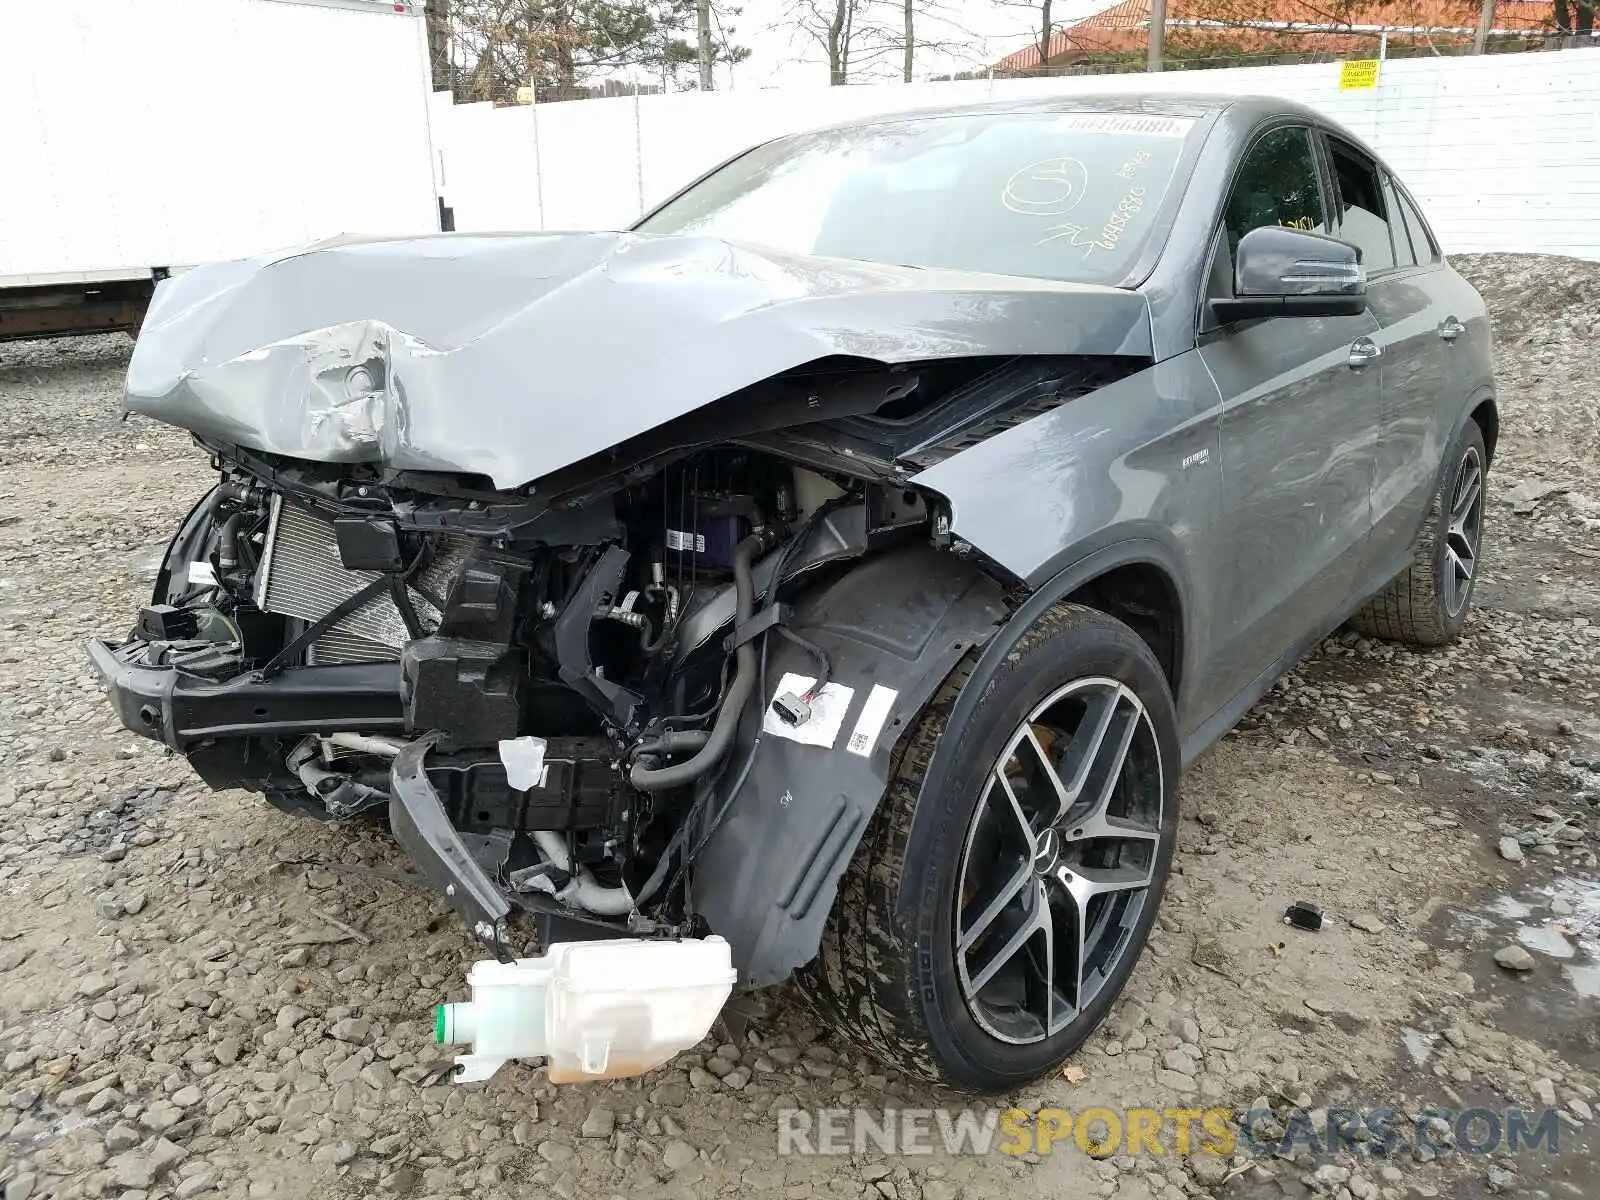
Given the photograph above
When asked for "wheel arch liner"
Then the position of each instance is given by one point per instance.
(768, 874)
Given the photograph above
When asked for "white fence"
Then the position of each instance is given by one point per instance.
(1502, 150)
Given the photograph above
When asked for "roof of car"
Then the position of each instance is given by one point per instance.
(1246, 108)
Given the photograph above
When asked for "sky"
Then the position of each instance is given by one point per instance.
(980, 31)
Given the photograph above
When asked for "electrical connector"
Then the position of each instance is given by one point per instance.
(791, 709)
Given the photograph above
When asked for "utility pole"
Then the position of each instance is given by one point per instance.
(1158, 34)
(1485, 23)
(702, 12)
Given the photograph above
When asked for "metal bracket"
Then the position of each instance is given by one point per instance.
(572, 641)
(424, 831)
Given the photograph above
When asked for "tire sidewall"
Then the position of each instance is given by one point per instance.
(1053, 654)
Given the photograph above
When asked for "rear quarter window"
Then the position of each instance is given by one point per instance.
(1422, 243)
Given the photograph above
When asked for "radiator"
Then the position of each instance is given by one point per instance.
(301, 575)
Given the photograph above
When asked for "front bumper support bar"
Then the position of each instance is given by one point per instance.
(423, 829)
(181, 710)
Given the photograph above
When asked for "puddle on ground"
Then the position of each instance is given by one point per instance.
(1560, 921)
(1419, 1045)
(1545, 940)
(1510, 908)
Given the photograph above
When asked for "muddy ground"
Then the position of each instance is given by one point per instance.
(200, 996)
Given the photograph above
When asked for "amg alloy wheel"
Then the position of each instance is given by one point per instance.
(1003, 893)
(1463, 533)
(1427, 604)
(1059, 860)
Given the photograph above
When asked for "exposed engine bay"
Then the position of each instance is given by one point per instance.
(625, 637)
(567, 687)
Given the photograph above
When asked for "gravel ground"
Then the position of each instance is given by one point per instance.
(200, 996)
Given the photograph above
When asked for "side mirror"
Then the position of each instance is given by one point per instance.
(1280, 272)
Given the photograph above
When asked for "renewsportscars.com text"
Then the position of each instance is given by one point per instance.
(1102, 1132)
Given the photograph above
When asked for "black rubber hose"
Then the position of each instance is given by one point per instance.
(228, 542)
(648, 779)
(675, 742)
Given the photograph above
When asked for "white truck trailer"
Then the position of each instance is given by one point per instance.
(139, 137)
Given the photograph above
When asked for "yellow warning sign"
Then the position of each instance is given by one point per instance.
(1358, 73)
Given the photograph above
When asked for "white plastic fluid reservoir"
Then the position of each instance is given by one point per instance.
(596, 1010)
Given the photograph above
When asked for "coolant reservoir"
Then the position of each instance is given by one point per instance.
(596, 1010)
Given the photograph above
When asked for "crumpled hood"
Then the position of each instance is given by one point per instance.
(512, 356)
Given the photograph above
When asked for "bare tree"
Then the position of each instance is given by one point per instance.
(937, 17)
(1045, 33)
(495, 47)
(1046, 25)
(438, 18)
(703, 54)
(910, 48)
(877, 39)
(1485, 23)
(850, 34)
(839, 39)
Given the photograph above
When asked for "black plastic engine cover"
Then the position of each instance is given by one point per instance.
(368, 543)
(470, 692)
(164, 623)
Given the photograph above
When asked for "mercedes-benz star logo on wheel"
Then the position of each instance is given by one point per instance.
(1047, 852)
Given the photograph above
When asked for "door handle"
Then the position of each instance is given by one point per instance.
(1451, 329)
(1363, 351)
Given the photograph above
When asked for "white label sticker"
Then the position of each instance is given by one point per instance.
(827, 712)
(1134, 123)
(870, 723)
(681, 539)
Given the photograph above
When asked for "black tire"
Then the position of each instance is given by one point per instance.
(892, 987)
(1419, 607)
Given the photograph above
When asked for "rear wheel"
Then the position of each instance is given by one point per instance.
(1426, 605)
(996, 908)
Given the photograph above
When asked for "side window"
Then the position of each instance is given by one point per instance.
(1362, 219)
(1421, 240)
(1404, 251)
(1277, 185)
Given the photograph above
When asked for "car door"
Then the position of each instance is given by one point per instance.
(1299, 425)
(1407, 295)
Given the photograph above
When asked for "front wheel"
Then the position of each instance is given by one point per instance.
(996, 907)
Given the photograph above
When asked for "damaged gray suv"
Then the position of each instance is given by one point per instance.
(845, 561)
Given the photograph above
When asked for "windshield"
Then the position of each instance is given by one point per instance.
(1069, 196)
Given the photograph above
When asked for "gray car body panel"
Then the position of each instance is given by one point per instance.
(1276, 557)
(513, 356)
